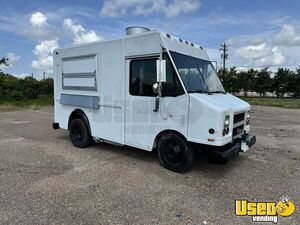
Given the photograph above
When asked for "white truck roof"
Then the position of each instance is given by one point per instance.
(167, 41)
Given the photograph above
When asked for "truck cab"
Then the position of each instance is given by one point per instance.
(152, 91)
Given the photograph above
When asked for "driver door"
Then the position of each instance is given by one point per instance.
(142, 122)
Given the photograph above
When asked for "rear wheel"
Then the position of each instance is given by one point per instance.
(79, 133)
(175, 154)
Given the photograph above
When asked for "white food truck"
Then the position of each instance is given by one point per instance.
(152, 91)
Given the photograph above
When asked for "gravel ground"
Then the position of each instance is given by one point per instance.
(45, 180)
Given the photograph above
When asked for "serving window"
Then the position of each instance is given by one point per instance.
(79, 73)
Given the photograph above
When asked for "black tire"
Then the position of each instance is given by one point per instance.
(79, 133)
(175, 154)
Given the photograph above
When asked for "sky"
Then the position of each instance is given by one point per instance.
(259, 33)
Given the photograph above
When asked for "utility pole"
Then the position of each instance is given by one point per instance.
(44, 75)
(224, 55)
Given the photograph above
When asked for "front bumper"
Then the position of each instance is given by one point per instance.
(230, 150)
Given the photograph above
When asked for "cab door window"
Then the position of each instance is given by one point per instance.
(142, 77)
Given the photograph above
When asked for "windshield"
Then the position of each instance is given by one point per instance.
(197, 75)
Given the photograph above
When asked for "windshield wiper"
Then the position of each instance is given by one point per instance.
(201, 92)
(216, 92)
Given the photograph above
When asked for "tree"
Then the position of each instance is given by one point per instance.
(229, 79)
(18, 89)
(246, 80)
(294, 84)
(262, 82)
(281, 81)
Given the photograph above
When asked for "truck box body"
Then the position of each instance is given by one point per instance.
(96, 78)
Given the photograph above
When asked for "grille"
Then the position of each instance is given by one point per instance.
(238, 117)
(238, 130)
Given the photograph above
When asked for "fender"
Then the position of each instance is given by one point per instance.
(79, 114)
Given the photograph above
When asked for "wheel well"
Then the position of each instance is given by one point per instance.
(166, 132)
(79, 114)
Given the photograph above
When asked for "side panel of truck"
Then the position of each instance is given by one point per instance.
(142, 123)
(108, 119)
(94, 78)
(97, 90)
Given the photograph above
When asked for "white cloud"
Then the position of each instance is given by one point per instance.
(115, 8)
(277, 58)
(266, 49)
(38, 19)
(254, 51)
(256, 41)
(287, 36)
(37, 28)
(260, 55)
(40, 30)
(43, 52)
(179, 6)
(12, 59)
(80, 35)
(22, 75)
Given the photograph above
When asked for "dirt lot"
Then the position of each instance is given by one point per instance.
(45, 180)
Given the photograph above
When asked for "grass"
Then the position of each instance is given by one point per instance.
(277, 102)
(41, 101)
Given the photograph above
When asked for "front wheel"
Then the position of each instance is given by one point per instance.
(79, 133)
(175, 154)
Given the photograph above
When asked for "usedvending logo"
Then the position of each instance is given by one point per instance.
(264, 211)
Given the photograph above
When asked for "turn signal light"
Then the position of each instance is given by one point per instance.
(225, 131)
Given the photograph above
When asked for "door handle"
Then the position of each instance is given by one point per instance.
(156, 108)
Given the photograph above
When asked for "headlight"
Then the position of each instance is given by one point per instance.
(226, 121)
(226, 125)
(248, 118)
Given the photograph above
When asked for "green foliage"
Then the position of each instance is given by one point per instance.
(16, 89)
(17, 95)
(262, 82)
(294, 84)
(230, 80)
(283, 82)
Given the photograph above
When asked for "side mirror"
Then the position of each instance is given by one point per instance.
(155, 88)
(161, 71)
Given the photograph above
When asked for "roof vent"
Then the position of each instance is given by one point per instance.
(136, 30)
